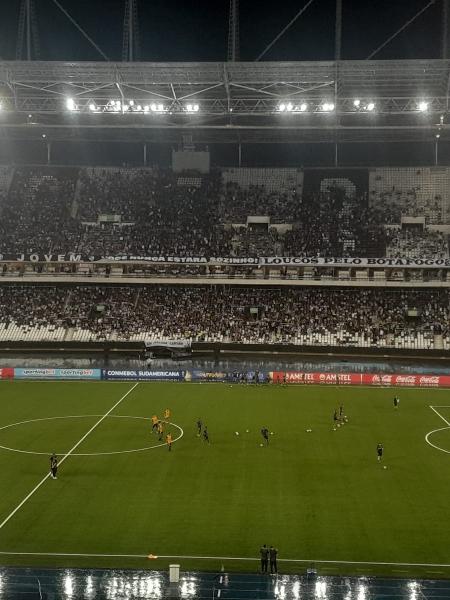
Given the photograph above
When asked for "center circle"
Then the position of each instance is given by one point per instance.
(180, 430)
(428, 436)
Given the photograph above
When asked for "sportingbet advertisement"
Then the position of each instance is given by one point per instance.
(57, 373)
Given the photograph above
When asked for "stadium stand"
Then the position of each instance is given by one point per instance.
(305, 317)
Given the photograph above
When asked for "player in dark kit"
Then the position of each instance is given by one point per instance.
(206, 435)
(199, 427)
(380, 450)
(396, 401)
(53, 465)
(265, 434)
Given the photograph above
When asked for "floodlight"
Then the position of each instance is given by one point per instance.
(289, 106)
(161, 107)
(189, 107)
(125, 107)
(196, 107)
(153, 107)
(327, 106)
(70, 104)
(356, 103)
(282, 107)
(139, 108)
(131, 102)
(92, 107)
(423, 106)
(146, 108)
(303, 107)
(370, 106)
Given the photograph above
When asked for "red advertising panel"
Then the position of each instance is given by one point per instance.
(388, 380)
(7, 373)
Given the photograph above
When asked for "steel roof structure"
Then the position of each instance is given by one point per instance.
(228, 102)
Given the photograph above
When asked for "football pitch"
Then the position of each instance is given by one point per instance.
(318, 495)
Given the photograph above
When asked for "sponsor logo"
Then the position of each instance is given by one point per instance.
(429, 380)
(408, 379)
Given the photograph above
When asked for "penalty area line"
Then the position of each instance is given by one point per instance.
(439, 414)
(80, 441)
(229, 558)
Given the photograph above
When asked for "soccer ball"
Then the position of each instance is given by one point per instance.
(236, 432)
(385, 467)
(308, 430)
(261, 445)
(271, 433)
(247, 431)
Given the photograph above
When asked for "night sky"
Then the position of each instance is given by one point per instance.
(196, 30)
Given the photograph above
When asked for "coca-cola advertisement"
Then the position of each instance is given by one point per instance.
(370, 379)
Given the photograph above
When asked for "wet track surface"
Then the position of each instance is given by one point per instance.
(87, 584)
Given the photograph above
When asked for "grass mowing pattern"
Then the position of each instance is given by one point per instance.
(319, 495)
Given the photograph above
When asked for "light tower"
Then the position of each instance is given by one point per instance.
(27, 47)
(130, 46)
(233, 32)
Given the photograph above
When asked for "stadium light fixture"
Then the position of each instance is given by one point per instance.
(70, 103)
(139, 108)
(303, 107)
(327, 107)
(131, 103)
(370, 107)
(146, 108)
(356, 103)
(192, 108)
(282, 107)
(423, 106)
(125, 107)
(289, 107)
(93, 107)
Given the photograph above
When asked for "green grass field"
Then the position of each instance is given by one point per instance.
(316, 496)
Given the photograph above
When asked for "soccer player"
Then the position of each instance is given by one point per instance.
(169, 441)
(335, 417)
(167, 413)
(154, 423)
(273, 552)
(160, 430)
(380, 451)
(206, 435)
(199, 427)
(396, 401)
(53, 465)
(265, 434)
(341, 412)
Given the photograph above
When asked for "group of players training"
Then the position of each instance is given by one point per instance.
(202, 431)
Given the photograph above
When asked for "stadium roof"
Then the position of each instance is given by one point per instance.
(348, 101)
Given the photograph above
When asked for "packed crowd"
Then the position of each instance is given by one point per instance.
(226, 314)
(147, 212)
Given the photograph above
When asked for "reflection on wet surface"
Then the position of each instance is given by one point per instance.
(77, 584)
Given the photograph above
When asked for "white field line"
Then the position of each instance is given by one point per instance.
(35, 489)
(439, 414)
(240, 558)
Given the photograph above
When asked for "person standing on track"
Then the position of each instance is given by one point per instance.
(53, 466)
(273, 553)
(396, 401)
(264, 553)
